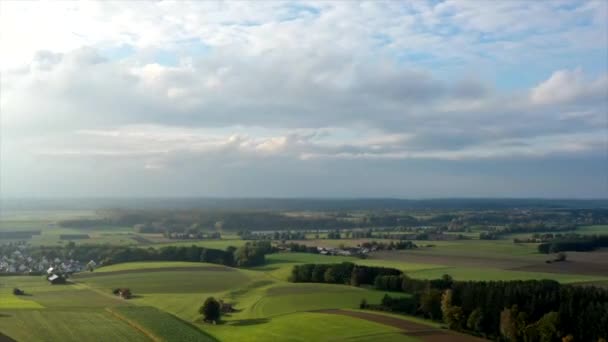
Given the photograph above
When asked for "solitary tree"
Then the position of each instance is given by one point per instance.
(210, 310)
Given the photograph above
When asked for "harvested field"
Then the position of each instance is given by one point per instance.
(140, 239)
(590, 263)
(421, 331)
(449, 260)
(581, 263)
(74, 236)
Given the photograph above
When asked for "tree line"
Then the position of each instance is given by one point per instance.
(512, 310)
(251, 254)
(343, 273)
(534, 310)
(576, 243)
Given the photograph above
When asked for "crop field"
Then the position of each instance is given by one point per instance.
(179, 280)
(167, 297)
(305, 326)
(309, 297)
(72, 325)
(161, 325)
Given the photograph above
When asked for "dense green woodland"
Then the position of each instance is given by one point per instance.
(578, 243)
(509, 310)
(250, 254)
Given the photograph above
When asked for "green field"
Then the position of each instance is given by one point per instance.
(307, 327)
(144, 265)
(167, 297)
(159, 324)
(67, 325)
(480, 273)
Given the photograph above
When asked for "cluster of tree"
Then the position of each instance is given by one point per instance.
(578, 243)
(501, 220)
(20, 234)
(283, 235)
(513, 310)
(489, 236)
(528, 220)
(434, 233)
(361, 234)
(211, 310)
(399, 245)
(334, 235)
(158, 221)
(350, 234)
(192, 235)
(540, 237)
(342, 273)
(295, 247)
(388, 220)
(122, 292)
(537, 227)
(251, 254)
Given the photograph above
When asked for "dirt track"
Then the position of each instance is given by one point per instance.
(421, 331)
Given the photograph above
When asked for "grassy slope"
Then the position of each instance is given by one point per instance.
(59, 313)
(263, 302)
(306, 326)
(160, 324)
(68, 325)
(154, 264)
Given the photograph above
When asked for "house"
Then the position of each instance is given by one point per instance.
(56, 279)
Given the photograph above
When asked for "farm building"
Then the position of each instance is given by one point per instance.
(56, 279)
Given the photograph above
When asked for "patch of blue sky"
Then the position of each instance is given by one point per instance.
(118, 52)
(247, 23)
(511, 77)
(192, 47)
(195, 46)
(382, 39)
(298, 10)
(165, 57)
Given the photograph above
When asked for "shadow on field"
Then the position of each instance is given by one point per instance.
(246, 322)
(4, 338)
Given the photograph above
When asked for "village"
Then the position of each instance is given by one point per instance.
(55, 269)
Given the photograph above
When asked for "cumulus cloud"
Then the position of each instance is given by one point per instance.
(156, 85)
(570, 86)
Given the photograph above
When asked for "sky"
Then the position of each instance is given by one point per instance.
(416, 99)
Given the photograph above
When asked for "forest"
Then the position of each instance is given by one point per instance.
(533, 310)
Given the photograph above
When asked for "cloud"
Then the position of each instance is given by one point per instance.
(567, 86)
(153, 85)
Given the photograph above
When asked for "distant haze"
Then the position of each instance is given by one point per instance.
(424, 99)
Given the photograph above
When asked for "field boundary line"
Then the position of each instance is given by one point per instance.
(135, 325)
